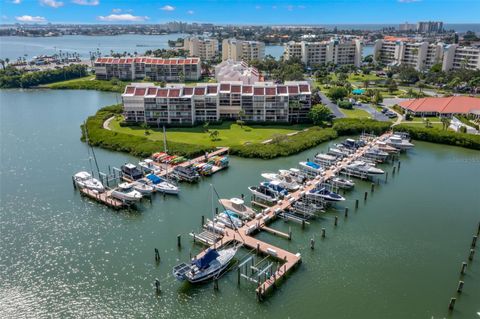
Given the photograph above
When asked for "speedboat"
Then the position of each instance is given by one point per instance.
(209, 266)
(399, 143)
(230, 219)
(386, 148)
(310, 168)
(161, 185)
(363, 168)
(403, 135)
(149, 166)
(131, 172)
(85, 180)
(342, 183)
(126, 193)
(264, 193)
(327, 195)
(325, 159)
(238, 206)
(143, 187)
(337, 152)
(285, 180)
(294, 173)
(186, 174)
(276, 187)
(376, 154)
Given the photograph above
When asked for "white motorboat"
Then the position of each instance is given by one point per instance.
(148, 166)
(311, 169)
(209, 266)
(285, 180)
(163, 186)
(342, 183)
(362, 168)
(143, 187)
(325, 159)
(263, 193)
(294, 173)
(276, 187)
(126, 193)
(85, 180)
(399, 143)
(386, 148)
(376, 153)
(230, 219)
(238, 206)
(337, 152)
(326, 195)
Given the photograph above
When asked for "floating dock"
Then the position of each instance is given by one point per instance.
(104, 198)
(244, 234)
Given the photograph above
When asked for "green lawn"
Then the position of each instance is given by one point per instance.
(362, 77)
(420, 124)
(230, 134)
(356, 113)
(418, 119)
(85, 78)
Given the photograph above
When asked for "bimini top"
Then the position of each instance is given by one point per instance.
(237, 201)
(313, 165)
(205, 261)
(154, 178)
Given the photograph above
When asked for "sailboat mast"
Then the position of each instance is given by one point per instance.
(165, 151)
(213, 211)
(93, 152)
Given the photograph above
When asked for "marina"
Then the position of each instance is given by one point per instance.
(67, 255)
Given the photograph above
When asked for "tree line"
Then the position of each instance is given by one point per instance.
(11, 77)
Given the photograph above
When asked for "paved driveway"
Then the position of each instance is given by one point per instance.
(332, 106)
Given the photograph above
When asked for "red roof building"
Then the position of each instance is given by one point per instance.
(442, 105)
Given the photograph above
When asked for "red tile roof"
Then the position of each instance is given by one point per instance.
(162, 92)
(282, 89)
(152, 91)
(200, 91)
(236, 88)
(174, 93)
(453, 104)
(224, 87)
(258, 91)
(247, 89)
(187, 91)
(304, 88)
(212, 89)
(129, 89)
(293, 89)
(147, 60)
(140, 91)
(270, 91)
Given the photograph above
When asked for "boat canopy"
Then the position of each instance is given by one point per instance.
(154, 178)
(83, 175)
(313, 165)
(237, 201)
(205, 261)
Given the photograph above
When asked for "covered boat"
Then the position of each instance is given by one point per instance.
(85, 180)
(238, 206)
(310, 169)
(327, 195)
(161, 185)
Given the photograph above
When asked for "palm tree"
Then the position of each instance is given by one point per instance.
(445, 122)
(2, 62)
(7, 61)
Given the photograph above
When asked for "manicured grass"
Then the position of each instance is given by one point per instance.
(418, 119)
(230, 134)
(363, 77)
(89, 83)
(422, 125)
(356, 113)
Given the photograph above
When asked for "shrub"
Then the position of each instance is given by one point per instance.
(351, 126)
(345, 105)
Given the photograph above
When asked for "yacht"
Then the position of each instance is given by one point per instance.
(294, 173)
(85, 180)
(264, 193)
(311, 169)
(143, 187)
(131, 172)
(337, 152)
(230, 219)
(403, 135)
(285, 180)
(238, 206)
(360, 167)
(386, 148)
(276, 187)
(399, 143)
(209, 266)
(342, 183)
(327, 195)
(376, 153)
(126, 193)
(325, 159)
(186, 174)
(148, 166)
(162, 185)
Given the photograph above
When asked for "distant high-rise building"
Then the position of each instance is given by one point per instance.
(429, 26)
(204, 48)
(238, 50)
(407, 27)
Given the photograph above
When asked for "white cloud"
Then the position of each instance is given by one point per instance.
(87, 2)
(167, 8)
(51, 3)
(126, 17)
(30, 19)
(408, 1)
(116, 10)
(190, 12)
(16, 1)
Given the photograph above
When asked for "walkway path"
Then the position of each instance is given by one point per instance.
(106, 124)
(332, 106)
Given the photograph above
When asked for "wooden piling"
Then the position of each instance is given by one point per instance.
(386, 177)
(346, 212)
(474, 241)
(472, 252)
(303, 223)
(203, 220)
(323, 233)
(451, 305)
(356, 203)
(398, 166)
(372, 188)
(460, 286)
(157, 286)
(393, 172)
(336, 221)
(238, 276)
(365, 196)
(312, 243)
(215, 284)
(289, 233)
(478, 229)
(179, 241)
(464, 268)
(157, 255)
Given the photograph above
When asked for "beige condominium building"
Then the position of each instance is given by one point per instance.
(204, 48)
(178, 104)
(238, 50)
(422, 55)
(334, 51)
(172, 70)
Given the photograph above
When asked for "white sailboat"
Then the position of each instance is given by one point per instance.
(85, 180)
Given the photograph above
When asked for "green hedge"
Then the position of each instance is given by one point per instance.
(98, 85)
(10, 77)
(435, 135)
(286, 146)
(136, 145)
(352, 126)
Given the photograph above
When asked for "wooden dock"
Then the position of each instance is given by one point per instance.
(104, 198)
(290, 260)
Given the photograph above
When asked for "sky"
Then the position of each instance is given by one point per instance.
(240, 12)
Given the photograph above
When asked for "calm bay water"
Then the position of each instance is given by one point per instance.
(398, 256)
